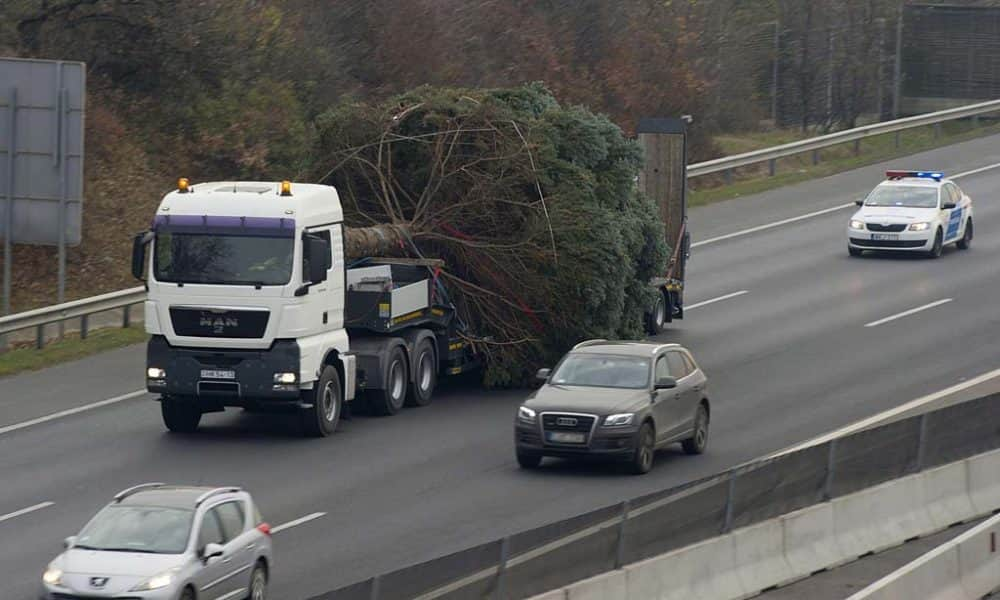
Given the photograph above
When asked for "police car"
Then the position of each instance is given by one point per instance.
(912, 211)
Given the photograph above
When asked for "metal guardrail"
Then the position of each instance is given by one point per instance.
(82, 309)
(126, 298)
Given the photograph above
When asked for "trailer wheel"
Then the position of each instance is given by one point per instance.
(424, 378)
(326, 397)
(390, 400)
(656, 318)
(180, 415)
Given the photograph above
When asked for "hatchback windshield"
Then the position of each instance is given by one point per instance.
(149, 529)
(903, 195)
(223, 259)
(597, 370)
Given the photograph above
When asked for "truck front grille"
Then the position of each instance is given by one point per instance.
(196, 322)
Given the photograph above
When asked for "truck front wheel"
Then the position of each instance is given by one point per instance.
(390, 399)
(320, 419)
(180, 415)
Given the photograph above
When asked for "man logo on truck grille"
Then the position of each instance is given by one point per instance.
(218, 324)
(566, 421)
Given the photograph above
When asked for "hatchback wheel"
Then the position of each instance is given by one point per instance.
(258, 584)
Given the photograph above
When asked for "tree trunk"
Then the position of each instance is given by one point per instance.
(378, 240)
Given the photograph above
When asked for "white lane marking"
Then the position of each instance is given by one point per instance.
(24, 511)
(772, 225)
(714, 300)
(974, 171)
(297, 522)
(907, 313)
(885, 415)
(71, 411)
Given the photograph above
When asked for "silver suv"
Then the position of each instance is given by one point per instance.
(164, 542)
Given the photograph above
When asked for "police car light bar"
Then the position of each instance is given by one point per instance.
(935, 175)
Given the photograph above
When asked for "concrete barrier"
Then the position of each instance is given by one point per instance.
(881, 517)
(760, 557)
(607, 586)
(946, 495)
(984, 481)
(704, 571)
(966, 568)
(810, 544)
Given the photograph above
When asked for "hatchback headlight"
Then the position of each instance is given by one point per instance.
(52, 576)
(157, 581)
(621, 420)
(526, 415)
(919, 226)
(856, 224)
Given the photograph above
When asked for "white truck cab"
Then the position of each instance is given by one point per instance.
(248, 306)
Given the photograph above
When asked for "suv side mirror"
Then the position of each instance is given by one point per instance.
(319, 258)
(948, 206)
(69, 542)
(666, 383)
(139, 243)
(211, 551)
(543, 374)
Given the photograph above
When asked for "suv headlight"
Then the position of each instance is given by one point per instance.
(620, 420)
(52, 576)
(526, 415)
(919, 226)
(856, 224)
(157, 581)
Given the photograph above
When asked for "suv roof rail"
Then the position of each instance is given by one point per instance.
(586, 343)
(136, 488)
(219, 490)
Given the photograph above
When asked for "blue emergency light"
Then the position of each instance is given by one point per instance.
(935, 175)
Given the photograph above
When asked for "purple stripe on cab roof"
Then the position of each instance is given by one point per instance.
(223, 221)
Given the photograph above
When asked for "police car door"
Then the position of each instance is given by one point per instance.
(953, 217)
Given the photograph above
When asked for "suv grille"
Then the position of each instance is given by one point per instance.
(194, 322)
(895, 227)
(559, 422)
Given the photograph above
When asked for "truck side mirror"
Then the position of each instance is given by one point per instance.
(139, 243)
(319, 258)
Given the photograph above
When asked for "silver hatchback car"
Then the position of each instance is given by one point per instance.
(164, 542)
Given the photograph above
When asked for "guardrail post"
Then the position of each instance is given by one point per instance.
(897, 140)
(727, 525)
(857, 146)
(502, 569)
(127, 317)
(39, 336)
(975, 121)
(772, 166)
(83, 327)
(728, 174)
(376, 587)
(816, 156)
(831, 457)
(620, 548)
(922, 443)
(937, 130)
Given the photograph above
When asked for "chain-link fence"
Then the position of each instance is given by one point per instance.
(555, 555)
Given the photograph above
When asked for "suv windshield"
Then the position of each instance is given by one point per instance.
(597, 370)
(150, 529)
(223, 259)
(903, 195)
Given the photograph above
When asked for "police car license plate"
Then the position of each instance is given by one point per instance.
(885, 236)
(560, 437)
(217, 374)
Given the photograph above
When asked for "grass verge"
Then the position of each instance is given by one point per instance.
(23, 358)
(754, 179)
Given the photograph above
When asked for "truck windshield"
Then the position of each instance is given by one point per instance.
(223, 259)
(909, 196)
(603, 371)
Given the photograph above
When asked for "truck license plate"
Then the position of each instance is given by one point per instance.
(217, 374)
(885, 236)
(566, 438)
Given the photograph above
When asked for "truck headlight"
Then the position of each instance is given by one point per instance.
(856, 224)
(620, 420)
(919, 226)
(526, 415)
(52, 576)
(156, 373)
(285, 378)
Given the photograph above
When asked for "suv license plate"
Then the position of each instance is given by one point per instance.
(566, 438)
(215, 374)
(885, 236)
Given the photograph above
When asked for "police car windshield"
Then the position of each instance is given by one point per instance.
(593, 370)
(911, 196)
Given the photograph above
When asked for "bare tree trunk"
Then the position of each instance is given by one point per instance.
(377, 240)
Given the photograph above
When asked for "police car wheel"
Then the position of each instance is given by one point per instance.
(935, 251)
(855, 251)
(966, 241)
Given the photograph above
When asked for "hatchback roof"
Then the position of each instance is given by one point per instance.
(172, 496)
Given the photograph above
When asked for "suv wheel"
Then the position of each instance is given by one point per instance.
(527, 460)
(697, 443)
(645, 449)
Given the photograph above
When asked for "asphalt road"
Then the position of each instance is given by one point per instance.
(788, 360)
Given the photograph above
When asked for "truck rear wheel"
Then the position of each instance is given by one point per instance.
(656, 318)
(320, 420)
(180, 415)
(424, 377)
(390, 399)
